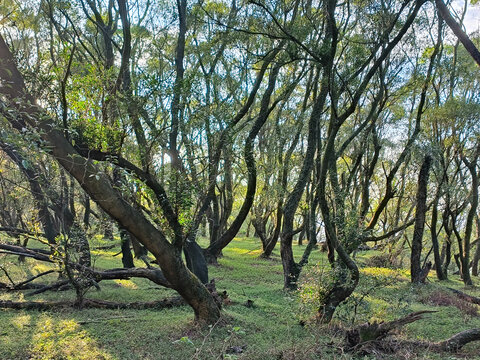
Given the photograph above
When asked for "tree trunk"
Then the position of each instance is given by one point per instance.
(127, 258)
(212, 252)
(433, 231)
(421, 209)
(476, 257)
(40, 197)
(98, 186)
(272, 242)
(291, 270)
(447, 247)
(464, 244)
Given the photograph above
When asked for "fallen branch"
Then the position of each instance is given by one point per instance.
(370, 338)
(92, 303)
(24, 285)
(29, 286)
(153, 274)
(7, 275)
(88, 321)
(376, 331)
(159, 304)
(20, 250)
(466, 297)
(457, 341)
(21, 286)
(44, 288)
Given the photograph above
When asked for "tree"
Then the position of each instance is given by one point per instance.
(416, 272)
(19, 103)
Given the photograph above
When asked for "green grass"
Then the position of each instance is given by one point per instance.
(269, 330)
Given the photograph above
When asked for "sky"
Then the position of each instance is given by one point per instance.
(472, 17)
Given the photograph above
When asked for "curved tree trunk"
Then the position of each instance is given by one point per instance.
(97, 185)
(41, 200)
(291, 270)
(213, 251)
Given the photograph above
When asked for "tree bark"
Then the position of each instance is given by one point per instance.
(433, 231)
(127, 258)
(421, 209)
(456, 342)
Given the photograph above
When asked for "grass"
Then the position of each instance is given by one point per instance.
(271, 329)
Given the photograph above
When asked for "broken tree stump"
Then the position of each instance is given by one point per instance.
(368, 332)
(370, 337)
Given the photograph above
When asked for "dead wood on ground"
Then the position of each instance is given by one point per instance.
(369, 338)
(465, 296)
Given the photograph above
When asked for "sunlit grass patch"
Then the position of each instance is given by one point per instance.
(42, 267)
(63, 339)
(400, 274)
(129, 284)
(256, 252)
(240, 251)
(20, 321)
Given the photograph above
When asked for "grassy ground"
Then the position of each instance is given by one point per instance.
(278, 326)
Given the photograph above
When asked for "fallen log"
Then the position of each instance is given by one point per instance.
(221, 299)
(465, 296)
(457, 341)
(44, 288)
(26, 285)
(368, 332)
(20, 250)
(153, 274)
(9, 287)
(159, 304)
(92, 303)
(370, 338)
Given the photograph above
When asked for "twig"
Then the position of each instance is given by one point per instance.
(19, 285)
(8, 276)
(49, 287)
(82, 322)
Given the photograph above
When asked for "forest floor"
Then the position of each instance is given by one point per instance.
(277, 326)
